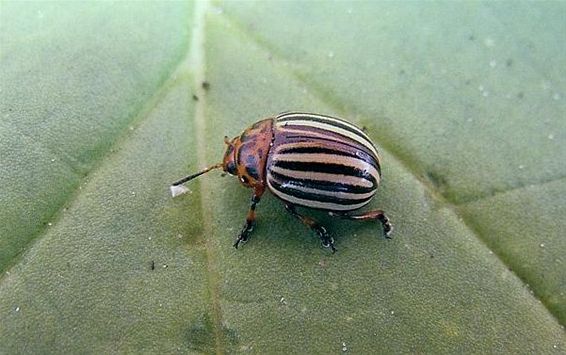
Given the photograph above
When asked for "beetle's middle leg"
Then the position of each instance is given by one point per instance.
(376, 215)
(326, 240)
(250, 222)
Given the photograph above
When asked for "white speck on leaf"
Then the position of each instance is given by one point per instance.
(493, 63)
(551, 136)
(178, 190)
(330, 54)
(344, 347)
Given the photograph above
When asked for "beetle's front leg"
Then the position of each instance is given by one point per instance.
(250, 222)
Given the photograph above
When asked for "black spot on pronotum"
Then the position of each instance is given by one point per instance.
(250, 160)
(252, 171)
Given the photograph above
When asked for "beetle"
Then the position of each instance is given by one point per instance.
(308, 160)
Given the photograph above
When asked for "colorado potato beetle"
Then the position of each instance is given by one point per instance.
(308, 160)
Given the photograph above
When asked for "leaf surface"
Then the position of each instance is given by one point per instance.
(103, 107)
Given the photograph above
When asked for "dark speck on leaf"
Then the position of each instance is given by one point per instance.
(520, 95)
(195, 97)
(471, 37)
(152, 265)
(205, 85)
(509, 62)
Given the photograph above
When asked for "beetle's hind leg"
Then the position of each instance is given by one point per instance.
(326, 240)
(376, 215)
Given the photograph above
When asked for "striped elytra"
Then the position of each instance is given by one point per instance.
(322, 162)
(308, 160)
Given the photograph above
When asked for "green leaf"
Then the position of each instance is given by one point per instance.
(102, 107)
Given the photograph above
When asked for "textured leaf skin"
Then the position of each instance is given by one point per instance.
(102, 107)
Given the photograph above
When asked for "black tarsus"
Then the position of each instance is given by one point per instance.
(327, 241)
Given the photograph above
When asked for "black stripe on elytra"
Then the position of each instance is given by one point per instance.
(288, 189)
(356, 146)
(363, 156)
(324, 185)
(329, 168)
(327, 120)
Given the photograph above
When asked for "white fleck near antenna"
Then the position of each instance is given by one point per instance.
(177, 187)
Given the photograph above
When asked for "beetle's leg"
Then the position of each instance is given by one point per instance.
(250, 221)
(376, 215)
(326, 240)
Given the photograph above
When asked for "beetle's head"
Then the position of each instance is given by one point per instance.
(229, 161)
(245, 157)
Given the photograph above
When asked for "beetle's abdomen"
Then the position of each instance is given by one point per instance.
(322, 162)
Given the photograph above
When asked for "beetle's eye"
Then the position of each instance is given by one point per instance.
(231, 168)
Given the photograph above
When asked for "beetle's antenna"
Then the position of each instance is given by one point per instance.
(177, 188)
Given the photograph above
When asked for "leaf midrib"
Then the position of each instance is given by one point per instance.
(197, 60)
